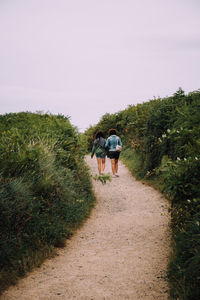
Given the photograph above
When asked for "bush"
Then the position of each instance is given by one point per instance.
(45, 191)
(162, 144)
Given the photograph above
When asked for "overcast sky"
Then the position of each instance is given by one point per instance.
(85, 58)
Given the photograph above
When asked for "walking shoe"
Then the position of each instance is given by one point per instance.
(116, 175)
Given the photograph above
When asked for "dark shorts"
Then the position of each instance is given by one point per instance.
(113, 154)
(100, 155)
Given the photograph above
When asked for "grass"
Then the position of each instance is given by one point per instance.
(45, 190)
(103, 178)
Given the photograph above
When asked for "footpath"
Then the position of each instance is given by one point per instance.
(121, 252)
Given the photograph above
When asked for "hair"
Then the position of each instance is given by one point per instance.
(112, 131)
(99, 134)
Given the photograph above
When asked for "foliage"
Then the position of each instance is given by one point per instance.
(162, 144)
(103, 178)
(182, 186)
(133, 160)
(45, 191)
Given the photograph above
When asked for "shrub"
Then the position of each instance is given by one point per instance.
(162, 144)
(45, 191)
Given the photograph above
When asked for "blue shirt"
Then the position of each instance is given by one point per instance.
(112, 142)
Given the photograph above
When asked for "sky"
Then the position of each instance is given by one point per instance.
(85, 58)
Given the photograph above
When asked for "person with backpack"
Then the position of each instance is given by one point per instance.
(114, 146)
(99, 150)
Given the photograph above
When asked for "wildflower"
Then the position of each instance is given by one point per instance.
(159, 139)
(177, 131)
(197, 223)
(185, 158)
(80, 201)
(164, 135)
(188, 200)
(178, 158)
(168, 130)
(196, 158)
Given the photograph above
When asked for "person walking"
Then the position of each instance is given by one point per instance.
(114, 146)
(99, 150)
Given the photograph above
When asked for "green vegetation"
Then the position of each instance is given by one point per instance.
(103, 178)
(162, 146)
(45, 189)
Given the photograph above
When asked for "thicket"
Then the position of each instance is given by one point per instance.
(45, 189)
(161, 140)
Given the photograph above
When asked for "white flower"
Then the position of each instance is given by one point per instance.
(196, 158)
(168, 130)
(178, 158)
(185, 159)
(177, 131)
(188, 200)
(197, 222)
(159, 139)
(164, 135)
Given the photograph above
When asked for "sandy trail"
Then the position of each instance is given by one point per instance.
(121, 252)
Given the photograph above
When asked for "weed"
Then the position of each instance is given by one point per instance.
(103, 178)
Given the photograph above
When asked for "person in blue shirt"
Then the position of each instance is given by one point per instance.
(114, 146)
(99, 150)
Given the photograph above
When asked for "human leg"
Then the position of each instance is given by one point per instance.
(99, 165)
(103, 161)
(113, 165)
(116, 165)
(114, 156)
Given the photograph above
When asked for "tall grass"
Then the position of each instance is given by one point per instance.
(45, 189)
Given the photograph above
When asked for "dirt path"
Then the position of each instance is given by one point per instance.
(120, 252)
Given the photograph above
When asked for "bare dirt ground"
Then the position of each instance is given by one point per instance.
(121, 252)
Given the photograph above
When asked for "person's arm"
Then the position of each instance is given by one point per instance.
(120, 142)
(107, 144)
(93, 151)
